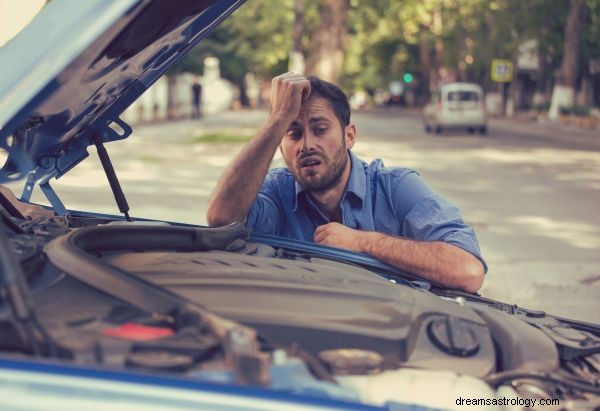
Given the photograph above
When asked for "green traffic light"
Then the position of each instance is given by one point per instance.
(408, 78)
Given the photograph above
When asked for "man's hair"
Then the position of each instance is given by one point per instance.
(334, 96)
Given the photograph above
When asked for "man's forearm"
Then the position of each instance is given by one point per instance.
(236, 190)
(436, 261)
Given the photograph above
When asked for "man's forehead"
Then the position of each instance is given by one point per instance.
(316, 108)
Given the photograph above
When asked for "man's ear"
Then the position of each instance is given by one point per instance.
(350, 135)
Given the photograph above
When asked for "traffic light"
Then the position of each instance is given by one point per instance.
(408, 78)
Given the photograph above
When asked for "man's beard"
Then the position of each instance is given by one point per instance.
(332, 176)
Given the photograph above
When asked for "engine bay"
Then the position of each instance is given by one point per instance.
(214, 305)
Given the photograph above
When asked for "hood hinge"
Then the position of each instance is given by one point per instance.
(57, 205)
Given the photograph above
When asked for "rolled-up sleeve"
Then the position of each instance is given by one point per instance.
(427, 216)
(434, 218)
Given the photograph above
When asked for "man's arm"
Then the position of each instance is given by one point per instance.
(236, 190)
(437, 261)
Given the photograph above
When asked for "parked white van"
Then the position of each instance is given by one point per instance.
(456, 105)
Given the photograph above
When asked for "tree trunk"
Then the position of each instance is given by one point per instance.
(513, 104)
(439, 48)
(172, 109)
(296, 58)
(425, 63)
(563, 93)
(326, 57)
(462, 52)
(298, 27)
(541, 89)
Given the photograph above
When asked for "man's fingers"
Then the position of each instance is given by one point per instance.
(306, 90)
(320, 234)
(288, 91)
(288, 77)
(302, 85)
(317, 236)
(290, 74)
(292, 79)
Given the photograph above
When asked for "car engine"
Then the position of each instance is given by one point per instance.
(345, 331)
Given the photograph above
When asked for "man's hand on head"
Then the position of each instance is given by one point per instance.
(237, 188)
(288, 91)
(338, 235)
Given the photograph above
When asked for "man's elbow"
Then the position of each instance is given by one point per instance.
(472, 276)
(216, 218)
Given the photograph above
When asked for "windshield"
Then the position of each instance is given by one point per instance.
(463, 96)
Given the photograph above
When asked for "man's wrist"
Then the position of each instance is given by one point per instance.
(274, 129)
(279, 120)
(367, 240)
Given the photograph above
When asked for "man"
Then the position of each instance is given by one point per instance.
(196, 100)
(327, 195)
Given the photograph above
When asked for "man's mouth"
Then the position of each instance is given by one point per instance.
(309, 162)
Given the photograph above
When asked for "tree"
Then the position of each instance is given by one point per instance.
(326, 56)
(297, 62)
(563, 93)
(365, 44)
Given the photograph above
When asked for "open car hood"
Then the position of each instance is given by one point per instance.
(93, 59)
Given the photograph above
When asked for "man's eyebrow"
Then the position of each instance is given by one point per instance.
(312, 120)
(317, 119)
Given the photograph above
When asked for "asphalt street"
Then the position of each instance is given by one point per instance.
(531, 191)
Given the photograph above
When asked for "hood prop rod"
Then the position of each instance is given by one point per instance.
(115, 186)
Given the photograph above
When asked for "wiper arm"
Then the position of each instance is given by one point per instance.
(16, 292)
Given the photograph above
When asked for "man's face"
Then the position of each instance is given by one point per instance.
(315, 147)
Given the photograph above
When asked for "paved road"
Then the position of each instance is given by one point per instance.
(532, 192)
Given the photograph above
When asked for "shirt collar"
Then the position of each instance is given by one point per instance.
(357, 182)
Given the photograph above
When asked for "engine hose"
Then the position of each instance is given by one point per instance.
(154, 238)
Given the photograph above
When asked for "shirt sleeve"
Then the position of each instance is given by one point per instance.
(265, 215)
(430, 217)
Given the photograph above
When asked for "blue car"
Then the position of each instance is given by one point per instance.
(110, 312)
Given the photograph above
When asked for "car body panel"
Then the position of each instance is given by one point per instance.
(50, 386)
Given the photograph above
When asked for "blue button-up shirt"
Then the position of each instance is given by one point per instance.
(392, 201)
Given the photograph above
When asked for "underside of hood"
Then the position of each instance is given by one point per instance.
(91, 61)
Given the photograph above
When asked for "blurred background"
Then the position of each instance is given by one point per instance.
(540, 57)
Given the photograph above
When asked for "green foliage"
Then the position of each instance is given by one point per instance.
(590, 42)
(386, 38)
(541, 107)
(222, 138)
(256, 38)
(581, 111)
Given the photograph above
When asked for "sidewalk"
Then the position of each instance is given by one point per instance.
(546, 129)
(240, 121)
(248, 122)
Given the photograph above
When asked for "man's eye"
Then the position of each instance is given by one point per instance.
(320, 130)
(294, 135)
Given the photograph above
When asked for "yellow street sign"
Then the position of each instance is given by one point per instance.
(502, 70)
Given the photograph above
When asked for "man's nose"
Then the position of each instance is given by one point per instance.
(308, 141)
